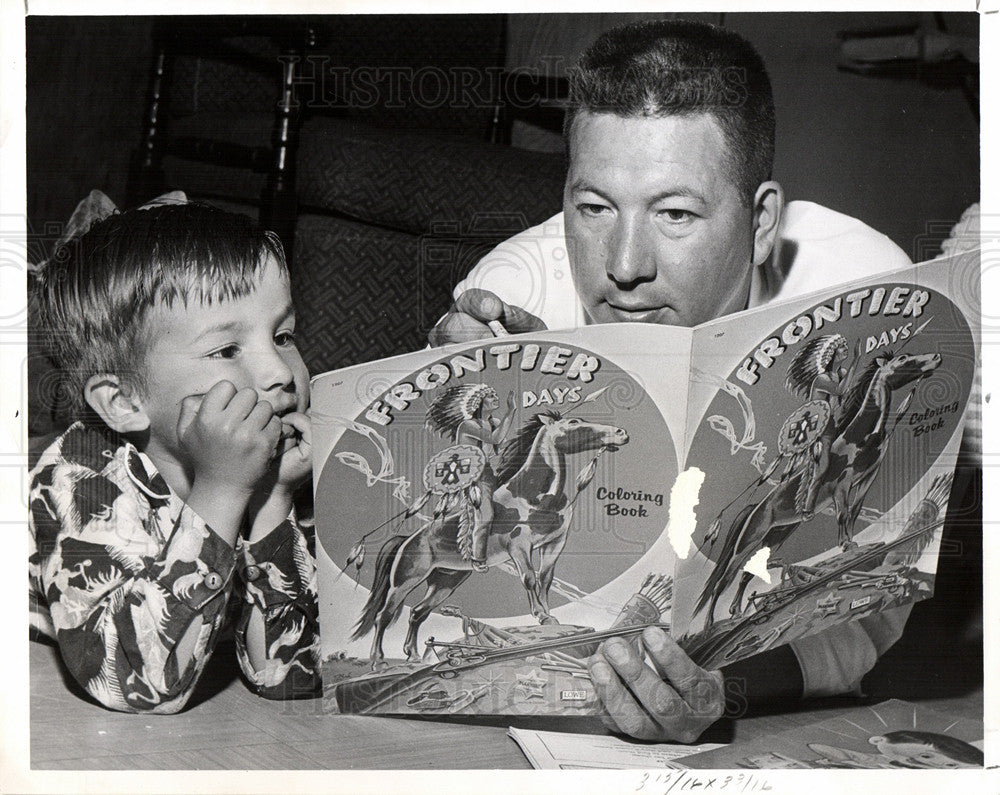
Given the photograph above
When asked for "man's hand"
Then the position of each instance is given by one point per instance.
(468, 318)
(675, 702)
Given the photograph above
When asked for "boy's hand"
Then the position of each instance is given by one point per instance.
(273, 501)
(468, 318)
(230, 437)
(294, 451)
(675, 702)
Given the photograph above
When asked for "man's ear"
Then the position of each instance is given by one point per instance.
(768, 204)
(115, 403)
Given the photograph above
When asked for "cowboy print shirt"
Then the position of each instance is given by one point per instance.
(135, 588)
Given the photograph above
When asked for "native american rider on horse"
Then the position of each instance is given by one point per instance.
(817, 374)
(464, 413)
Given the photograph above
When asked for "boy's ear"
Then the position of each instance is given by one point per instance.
(115, 403)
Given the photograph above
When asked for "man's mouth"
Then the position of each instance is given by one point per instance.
(636, 314)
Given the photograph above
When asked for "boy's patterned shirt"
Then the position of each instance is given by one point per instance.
(131, 583)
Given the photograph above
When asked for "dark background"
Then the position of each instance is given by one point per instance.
(901, 154)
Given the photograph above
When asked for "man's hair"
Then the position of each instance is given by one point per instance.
(681, 68)
(97, 290)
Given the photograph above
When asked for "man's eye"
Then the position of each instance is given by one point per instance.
(676, 215)
(228, 352)
(591, 209)
(284, 339)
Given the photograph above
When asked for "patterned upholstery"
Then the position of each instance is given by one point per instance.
(409, 180)
(362, 292)
(401, 179)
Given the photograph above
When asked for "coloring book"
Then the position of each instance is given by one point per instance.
(487, 513)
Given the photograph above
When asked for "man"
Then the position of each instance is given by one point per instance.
(670, 216)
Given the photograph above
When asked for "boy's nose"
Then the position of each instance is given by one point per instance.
(272, 372)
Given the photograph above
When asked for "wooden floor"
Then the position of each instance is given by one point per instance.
(229, 728)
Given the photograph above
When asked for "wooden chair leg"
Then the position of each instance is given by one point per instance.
(278, 208)
(146, 176)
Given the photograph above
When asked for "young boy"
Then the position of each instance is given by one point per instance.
(171, 496)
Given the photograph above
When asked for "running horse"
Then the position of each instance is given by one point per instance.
(531, 518)
(856, 454)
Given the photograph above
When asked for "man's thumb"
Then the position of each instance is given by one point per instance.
(483, 305)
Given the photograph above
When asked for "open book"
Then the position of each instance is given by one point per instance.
(488, 513)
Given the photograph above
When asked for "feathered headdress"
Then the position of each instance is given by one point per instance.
(814, 358)
(456, 404)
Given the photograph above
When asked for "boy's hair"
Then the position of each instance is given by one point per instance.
(97, 289)
(680, 68)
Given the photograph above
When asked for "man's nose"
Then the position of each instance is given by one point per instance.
(630, 259)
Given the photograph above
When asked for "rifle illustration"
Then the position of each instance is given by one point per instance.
(705, 652)
(368, 694)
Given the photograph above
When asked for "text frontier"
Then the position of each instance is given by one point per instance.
(555, 360)
(900, 301)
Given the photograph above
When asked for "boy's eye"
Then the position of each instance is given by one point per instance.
(228, 352)
(284, 338)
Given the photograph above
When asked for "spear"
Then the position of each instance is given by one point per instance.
(589, 399)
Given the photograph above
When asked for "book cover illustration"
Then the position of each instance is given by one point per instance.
(488, 513)
(828, 455)
(498, 515)
(892, 735)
